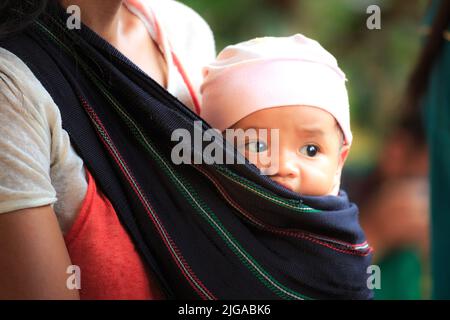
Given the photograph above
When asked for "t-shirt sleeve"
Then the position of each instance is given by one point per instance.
(25, 139)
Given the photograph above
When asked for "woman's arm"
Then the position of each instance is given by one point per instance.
(33, 256)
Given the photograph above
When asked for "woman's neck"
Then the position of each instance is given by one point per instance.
(125, 31)
(106, 17)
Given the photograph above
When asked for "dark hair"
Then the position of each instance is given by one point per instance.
(411, 117)
(16, 15)
(434, 41)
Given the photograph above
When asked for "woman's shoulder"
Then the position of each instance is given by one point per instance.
(25, 95)
(180, 14)
(15, 69)
(38, 165)
(185, 28)
(25, 138)
(23, 91)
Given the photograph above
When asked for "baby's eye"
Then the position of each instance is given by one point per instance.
(310, 150)
(256, 146)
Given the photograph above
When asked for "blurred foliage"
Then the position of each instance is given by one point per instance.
(377, 62)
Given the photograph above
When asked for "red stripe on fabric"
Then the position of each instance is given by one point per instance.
(274, 229)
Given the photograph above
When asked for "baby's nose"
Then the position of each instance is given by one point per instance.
(288, 165)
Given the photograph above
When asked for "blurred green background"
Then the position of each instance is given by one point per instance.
(377, 62)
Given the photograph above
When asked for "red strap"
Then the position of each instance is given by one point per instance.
(161, 38)
(187, 82)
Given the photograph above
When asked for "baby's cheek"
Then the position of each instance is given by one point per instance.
(316, 181)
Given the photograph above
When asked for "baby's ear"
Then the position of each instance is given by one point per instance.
(343, 154)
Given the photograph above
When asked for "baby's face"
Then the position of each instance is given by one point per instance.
(311, 150)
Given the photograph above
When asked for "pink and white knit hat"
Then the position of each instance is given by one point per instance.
(273, 72)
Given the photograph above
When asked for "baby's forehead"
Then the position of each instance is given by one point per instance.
(300, 120)
(297, 115)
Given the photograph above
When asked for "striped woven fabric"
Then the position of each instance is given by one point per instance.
(206, 231)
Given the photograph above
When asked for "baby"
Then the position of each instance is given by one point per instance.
(291, 84)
